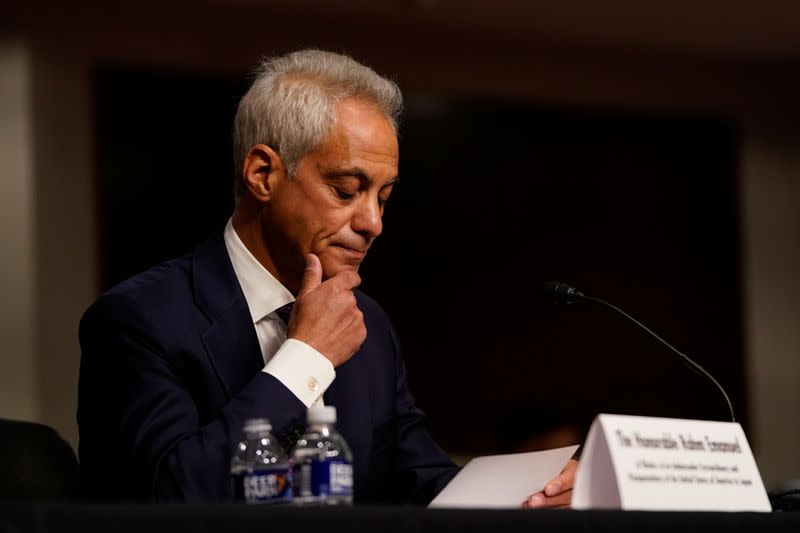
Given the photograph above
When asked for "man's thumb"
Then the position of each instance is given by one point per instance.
(312, 276)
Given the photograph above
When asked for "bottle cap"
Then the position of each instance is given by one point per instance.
(322, 415)
(257, 424)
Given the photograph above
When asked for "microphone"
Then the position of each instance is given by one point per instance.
(561, 293)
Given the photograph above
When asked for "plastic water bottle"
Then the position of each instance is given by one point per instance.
(259, 467)
(322, 465)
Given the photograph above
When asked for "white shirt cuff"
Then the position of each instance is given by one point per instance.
(302, 369)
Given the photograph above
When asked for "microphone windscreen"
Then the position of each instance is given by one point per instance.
(560, 293)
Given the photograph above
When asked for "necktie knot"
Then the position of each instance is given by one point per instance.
(284, 312)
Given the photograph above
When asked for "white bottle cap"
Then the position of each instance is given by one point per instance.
(257, 424)
(322, 415)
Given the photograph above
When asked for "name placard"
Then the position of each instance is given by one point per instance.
(642, 463)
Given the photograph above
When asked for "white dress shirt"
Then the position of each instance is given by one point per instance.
(304, 371)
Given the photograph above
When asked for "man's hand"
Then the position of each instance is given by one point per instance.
(558, 491)
(325, 315)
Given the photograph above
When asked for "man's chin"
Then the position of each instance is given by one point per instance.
(333, 266)
(329, 271)
(336, 259)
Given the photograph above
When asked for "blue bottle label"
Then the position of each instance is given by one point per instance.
(331, 478)
(263, 486)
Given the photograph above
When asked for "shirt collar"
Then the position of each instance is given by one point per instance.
(263, 293)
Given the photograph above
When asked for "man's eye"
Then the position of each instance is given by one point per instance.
(344, 195)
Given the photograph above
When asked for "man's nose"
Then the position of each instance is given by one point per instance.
(367, 219)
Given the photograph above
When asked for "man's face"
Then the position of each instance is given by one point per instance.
(334, 204)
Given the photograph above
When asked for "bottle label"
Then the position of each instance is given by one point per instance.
(331, 478)
(340, 478)
(262, 486)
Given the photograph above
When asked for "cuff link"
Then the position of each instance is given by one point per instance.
(313, 385)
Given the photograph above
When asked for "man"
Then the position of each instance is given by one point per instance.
(175, 359)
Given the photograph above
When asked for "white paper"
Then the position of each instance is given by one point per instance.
(503, 481)
(659, 464)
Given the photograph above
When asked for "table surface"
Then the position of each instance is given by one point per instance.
(144, 518)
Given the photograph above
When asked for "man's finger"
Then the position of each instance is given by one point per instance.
(561, 500)
(542, 501)
(312, 277)
(562, 482)
(534, 500)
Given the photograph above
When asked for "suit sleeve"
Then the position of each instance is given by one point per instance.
(422, 467)
(139, 422)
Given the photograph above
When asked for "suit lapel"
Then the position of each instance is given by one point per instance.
(231, 340)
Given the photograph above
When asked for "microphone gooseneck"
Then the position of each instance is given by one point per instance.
(561, 293)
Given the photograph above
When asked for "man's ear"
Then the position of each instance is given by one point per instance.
(261, 168)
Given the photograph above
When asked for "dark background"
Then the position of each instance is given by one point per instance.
(495, 198)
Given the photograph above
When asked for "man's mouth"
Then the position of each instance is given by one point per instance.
(355, 253)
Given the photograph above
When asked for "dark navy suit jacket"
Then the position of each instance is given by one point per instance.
(171, 369)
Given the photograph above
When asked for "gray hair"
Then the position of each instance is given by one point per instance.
(291, 105)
